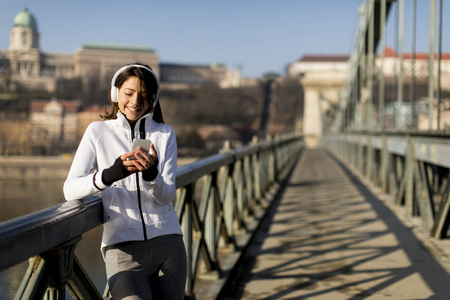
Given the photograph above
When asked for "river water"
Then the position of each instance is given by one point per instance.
(18, 198)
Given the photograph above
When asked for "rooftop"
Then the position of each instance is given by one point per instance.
(325, 58)
(25, 19)
(114, 47)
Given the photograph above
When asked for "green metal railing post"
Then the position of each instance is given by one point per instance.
(209, 201)
(412, 87)
(399, 118)
(384, 164)
(370, 67)
(431, 65)
(409, 175)
(188, 237)
(49, 273)
(382, 84)
(438, 79)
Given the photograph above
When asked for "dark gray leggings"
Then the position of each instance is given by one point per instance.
(152, 269)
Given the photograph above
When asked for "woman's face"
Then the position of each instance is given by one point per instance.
(132, 103)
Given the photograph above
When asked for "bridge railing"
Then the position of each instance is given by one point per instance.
(411, 167)
(217, 198)
(396, 90)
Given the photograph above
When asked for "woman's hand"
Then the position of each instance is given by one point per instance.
(139, 160)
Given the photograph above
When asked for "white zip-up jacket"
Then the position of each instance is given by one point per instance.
(133, 209)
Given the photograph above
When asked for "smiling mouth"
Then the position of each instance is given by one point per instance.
(133, 109)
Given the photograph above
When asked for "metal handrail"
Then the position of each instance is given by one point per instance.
(233, 188)
(411, 167)
(35, 233)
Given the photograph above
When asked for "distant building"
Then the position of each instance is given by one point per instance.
(53, 122)
(58, 125)
(322, 78)
(320, 73)
(24, 67)
(319, 64)
(391, 66)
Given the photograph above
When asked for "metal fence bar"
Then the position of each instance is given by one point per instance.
(439, 57)
(431, 65)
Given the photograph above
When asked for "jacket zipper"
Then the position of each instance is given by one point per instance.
(140, 206)
(138, 190)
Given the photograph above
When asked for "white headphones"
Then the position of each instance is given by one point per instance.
(115, 90)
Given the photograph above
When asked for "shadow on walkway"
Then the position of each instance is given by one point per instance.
(329, 237)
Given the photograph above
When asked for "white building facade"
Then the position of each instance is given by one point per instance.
(24, 67)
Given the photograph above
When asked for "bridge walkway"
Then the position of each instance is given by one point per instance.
(329, 237)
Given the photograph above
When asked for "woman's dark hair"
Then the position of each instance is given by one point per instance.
(148, 91)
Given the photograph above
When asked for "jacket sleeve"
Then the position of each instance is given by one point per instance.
(162, 188)
(83, 179)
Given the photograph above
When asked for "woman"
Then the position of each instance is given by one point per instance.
(142, 241)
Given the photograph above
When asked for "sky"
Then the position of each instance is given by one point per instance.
(257, 36)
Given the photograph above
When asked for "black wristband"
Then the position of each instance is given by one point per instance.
(151, 173)
(116, 172)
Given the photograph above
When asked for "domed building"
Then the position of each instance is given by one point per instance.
(24, 35)
(24, 67)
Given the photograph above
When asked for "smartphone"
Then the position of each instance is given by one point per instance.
(144, 144)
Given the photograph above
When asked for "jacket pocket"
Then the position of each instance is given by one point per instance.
(121, 210)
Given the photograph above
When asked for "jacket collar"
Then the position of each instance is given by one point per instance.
(124, 122)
